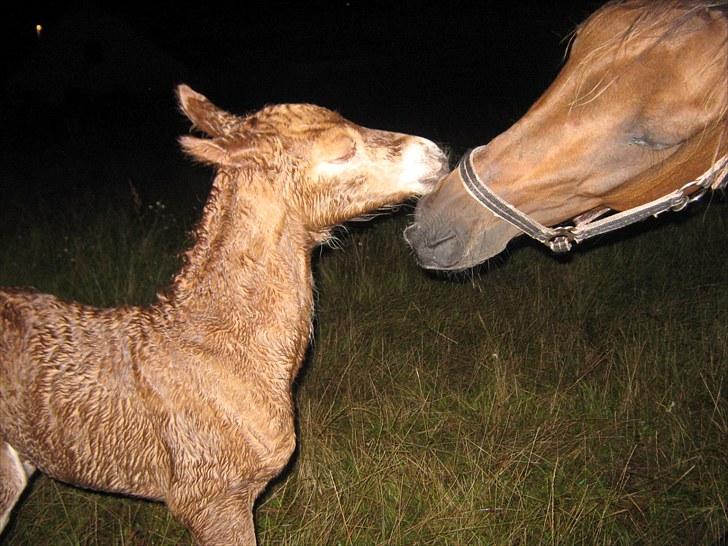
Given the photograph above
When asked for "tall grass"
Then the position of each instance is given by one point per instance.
(534, 401)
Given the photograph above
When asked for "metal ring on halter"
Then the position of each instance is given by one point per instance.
(679, 203)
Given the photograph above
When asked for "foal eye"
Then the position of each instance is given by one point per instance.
(346, 156)
(341, 149)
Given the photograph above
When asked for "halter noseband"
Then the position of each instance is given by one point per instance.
(560, 239)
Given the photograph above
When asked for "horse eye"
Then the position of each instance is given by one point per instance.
(647, 142)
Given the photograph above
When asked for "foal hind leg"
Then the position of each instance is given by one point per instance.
(14, 475)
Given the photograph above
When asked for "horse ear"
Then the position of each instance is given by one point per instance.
(205, 116)
(222, 152)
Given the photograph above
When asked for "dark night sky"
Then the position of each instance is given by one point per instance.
(459, 73)
(420, 49)
(336, 29)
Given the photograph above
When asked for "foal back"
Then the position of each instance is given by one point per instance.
(67, 373)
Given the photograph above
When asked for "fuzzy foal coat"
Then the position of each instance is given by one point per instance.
(188, 401)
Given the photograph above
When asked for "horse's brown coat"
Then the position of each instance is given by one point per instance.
(188, 401)
(639, 109)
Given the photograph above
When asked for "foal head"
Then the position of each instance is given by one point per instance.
(321, 167)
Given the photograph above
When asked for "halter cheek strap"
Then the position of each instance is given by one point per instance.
(561, 239)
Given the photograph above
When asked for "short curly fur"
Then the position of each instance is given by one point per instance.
(188, 401)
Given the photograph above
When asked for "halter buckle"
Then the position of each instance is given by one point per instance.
(562, 239)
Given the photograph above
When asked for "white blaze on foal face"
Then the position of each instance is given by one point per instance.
(412, 161)
(362, 169)
(415, 164)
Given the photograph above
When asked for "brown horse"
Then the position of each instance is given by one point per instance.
(637, 114)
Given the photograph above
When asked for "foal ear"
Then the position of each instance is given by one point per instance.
(225, 152)
(205, 116)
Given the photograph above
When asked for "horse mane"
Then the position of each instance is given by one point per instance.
(655, 14)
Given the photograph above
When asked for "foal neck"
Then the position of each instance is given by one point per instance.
(244, 242)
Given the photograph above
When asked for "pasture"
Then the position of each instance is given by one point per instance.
(535, 400)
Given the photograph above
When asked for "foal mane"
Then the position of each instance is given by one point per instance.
(258, 138)
(257, 142)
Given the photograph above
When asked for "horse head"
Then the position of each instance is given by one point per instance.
(639, 109)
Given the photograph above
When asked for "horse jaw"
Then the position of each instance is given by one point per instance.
(487, 243)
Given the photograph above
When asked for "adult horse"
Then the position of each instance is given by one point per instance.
(635, 123)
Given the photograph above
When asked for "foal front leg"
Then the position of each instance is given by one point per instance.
(224, 520)
(14, 475)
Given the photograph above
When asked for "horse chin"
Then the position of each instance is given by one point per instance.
(490, 243)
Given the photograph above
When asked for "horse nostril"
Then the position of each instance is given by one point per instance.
(440, 249)
(446, 250)
(441, 240)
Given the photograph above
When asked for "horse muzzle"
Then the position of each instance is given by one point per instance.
(435, 249)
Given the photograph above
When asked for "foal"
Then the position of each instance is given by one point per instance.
(188, 401)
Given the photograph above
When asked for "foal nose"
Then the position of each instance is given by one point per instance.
(435, 249)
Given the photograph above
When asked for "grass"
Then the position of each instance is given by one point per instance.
(534, 401)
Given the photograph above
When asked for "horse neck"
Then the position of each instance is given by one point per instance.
(249, 258)
(693, 159)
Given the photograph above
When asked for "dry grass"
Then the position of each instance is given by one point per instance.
(532, 402)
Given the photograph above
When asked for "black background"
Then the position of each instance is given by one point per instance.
(89, 104)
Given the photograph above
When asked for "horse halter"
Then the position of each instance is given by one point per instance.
(560, 239)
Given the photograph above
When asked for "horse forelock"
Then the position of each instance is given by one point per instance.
(665, 15)
(648, 23)
(652, 20)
